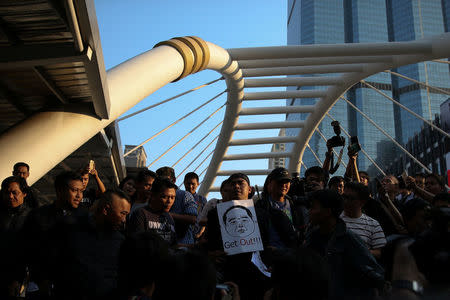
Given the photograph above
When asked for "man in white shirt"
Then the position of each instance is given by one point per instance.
(368, 229)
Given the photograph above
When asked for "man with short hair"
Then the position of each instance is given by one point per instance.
(13, 213)
(286, 221)
(337, 184)
(90, 195)
(211, 204)
(202, 217)
(354, 272)
(368, 229)
(43, 226)
(112, 210)
(33, 198)
(21, 169)
(415, 214)
(155, 216)
(237, 268)
(434, 184)
(239, 189)
(420, 180)
(184, 210)
(191, 183)
(316, 179)
(86, 264)
(144, 183)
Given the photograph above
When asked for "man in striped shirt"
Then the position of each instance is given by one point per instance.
(368, 229)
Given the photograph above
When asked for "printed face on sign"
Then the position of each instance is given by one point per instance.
(238, 221)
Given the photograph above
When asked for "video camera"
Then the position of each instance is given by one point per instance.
(337, 140)
(354, 147)
(297, 186)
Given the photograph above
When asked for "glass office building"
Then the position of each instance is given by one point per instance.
(363, 21)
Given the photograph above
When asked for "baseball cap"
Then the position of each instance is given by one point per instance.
(279, 174)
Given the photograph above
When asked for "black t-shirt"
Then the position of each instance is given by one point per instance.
(143, 219)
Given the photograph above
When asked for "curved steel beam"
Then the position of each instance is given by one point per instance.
(433, 48)
(65, 129)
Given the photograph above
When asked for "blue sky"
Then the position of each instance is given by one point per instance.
(128, 28)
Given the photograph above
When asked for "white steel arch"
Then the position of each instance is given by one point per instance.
(339, 66)
(46, 138)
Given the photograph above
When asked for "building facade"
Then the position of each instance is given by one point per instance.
(427, 145)
(137, 158)
(363, 21)
(277, 162)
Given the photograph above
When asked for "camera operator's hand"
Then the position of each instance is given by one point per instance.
(352, 155)
(329, 146)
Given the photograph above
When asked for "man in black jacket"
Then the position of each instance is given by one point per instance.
(13, 212)
(285, 218)
(43, 231)
(88, 252)
(237, 268)
(354, 272)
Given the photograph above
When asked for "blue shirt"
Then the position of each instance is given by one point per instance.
(200, 200)
(185, 204)
(284, 207)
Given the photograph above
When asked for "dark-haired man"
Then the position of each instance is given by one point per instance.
(69, 192)
(239, 188)
(21, 169)
(43, 226)
(316, 179)
(33, 198)
(90, 195)
(13, 213)
(368, 229)
(88, 251)
(236, 268)
(184, 210)
(354, 272)
(434, 184)
(286, 219)
(155, 216)
(202, 217)
(191, 183)
(337, 184)
(144, 183)
(13, 210)
(416, 216)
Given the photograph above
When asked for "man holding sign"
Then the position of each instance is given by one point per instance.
(239, 190)
(232, 236)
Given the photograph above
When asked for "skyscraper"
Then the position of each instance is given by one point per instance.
(363, 21)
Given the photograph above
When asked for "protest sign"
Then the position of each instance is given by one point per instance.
(239, 227)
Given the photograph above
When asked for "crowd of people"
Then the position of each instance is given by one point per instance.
(323, 238)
